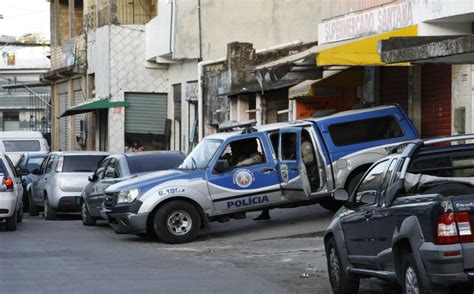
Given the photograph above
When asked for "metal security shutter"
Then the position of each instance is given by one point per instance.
(63, 121)
(436, 100)
(78, 98)
(146, 113)
(394, 86)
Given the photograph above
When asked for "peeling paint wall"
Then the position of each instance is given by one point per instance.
(462, 94)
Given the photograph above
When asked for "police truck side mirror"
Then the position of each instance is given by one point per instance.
(221, 166)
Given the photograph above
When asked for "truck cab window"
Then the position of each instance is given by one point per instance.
(288, 146)
(244, 152)
(308, 156)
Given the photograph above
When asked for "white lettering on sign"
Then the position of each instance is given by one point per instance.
(384, 19)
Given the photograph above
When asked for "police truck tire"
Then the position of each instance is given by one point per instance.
(32, 207)
(340, 282)
(177, 222)
(330, 204)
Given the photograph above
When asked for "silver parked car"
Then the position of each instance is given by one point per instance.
(11, 193)
(61, 178)
(120, 167)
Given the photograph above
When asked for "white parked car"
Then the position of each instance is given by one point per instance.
(11, 192)
(15, 143)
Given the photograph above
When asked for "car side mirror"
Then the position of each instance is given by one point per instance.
(221, 166)
(92, 178)
(340, 195)
(368, 198)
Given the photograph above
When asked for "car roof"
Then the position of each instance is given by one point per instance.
(21, 135)
(37, 154)
(83, 153)
(144, 153)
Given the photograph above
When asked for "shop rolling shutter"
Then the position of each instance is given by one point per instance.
(63, 121)
(146, 113)
(436, 100)
(394, 86)
(78, 98)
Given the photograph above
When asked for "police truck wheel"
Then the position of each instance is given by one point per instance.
(49, 212)
(177, 222)
(340, 282)
(87, 219)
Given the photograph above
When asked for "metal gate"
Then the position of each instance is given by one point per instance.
(436, 100)
(146, 113)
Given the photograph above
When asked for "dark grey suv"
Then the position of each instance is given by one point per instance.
(117, 168)
(409, 221)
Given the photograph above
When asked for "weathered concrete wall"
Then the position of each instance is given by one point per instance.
(264, 23)
(462, 94)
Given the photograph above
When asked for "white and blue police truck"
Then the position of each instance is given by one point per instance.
(216, 183)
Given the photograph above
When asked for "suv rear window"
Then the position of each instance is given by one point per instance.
(153, 162)
(81, 163)
(21, 145)
(366, 130)
(3, 170)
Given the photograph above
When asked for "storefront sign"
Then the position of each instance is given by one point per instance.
(384, 19)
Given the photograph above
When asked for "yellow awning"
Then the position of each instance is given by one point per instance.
(362, 51)
(306, 88)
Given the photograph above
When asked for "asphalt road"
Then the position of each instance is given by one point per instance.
(283, 255)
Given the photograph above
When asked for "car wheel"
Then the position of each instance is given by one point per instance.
(33, 207)
(11, 222)
(19, 213)
(87, 219)
(330, 204)
(49, 212)
(177, 222)
(412, 283)
(340, 282)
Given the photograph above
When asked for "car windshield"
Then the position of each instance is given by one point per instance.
(81, 163)
(201, 155)
(34, 162)
(22, 145)
(153, 162)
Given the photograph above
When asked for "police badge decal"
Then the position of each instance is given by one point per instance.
(243, 178)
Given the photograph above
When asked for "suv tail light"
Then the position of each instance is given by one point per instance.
(7, 184)
(59, 166)
(454, 228)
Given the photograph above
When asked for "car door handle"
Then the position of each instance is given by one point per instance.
(368, 214)
(294, 168)
(267, 170)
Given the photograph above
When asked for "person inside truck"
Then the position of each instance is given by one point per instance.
(308, 157)
(245, 153)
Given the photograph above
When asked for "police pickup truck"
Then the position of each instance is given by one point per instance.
(272, 166)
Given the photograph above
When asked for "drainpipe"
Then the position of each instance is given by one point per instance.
(200, 30)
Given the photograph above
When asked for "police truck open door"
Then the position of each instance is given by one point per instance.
(292, 171)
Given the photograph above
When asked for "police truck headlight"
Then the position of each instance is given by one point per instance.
(127, 196)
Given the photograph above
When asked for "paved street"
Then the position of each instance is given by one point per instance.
(236, 257)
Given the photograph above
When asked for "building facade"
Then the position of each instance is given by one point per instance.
(24, 102)
(190, 35)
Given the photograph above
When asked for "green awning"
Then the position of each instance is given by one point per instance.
(92, 105)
